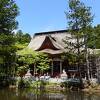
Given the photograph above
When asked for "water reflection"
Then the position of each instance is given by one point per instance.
(13, 94)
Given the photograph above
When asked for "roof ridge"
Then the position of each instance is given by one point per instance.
(50, 32)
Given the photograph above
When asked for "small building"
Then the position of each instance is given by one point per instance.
(52, 44)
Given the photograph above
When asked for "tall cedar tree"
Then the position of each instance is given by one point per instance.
(79, 19)
(8, 13)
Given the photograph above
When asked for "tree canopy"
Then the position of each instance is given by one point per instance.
(8, 13)
(27, 57)
(22, 38)
(79, 19)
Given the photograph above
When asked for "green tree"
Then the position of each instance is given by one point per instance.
(26, 57)
(42, 62)
(96, 36)
(29, 57)
(79, 18)
(18, 36)
(22, 38)
(26, 38)
(8, 13)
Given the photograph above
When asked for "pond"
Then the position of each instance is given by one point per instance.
(26, 94)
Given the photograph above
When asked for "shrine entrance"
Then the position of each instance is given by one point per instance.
(56, 69)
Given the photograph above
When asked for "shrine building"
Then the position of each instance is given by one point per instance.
(52, 44)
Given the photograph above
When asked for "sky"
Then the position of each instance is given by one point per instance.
(48, 15)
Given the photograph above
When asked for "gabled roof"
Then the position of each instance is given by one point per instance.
(49, 43)
(54, 37)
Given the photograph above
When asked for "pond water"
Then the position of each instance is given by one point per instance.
(14, 94)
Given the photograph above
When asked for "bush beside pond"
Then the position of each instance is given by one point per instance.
(40, 84)
(51, 86)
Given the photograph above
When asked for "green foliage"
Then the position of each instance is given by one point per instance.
(22, 70)
(79, 15)
(72, 83)
(42, 62)
(25, 58)
(26, 51)
(22, 83)
(28, 83)
(28, 57)
(20, 46)
(94, 37)
(79, 20)
(22, 38)
(72, 58)
(8, 13)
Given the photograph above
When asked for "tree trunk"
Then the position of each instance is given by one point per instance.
(86, 59)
